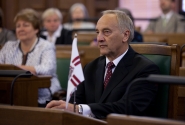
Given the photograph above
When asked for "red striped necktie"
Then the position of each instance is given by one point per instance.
(109, 67)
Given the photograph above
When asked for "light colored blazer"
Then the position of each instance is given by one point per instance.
(42, 57)
(174, 25)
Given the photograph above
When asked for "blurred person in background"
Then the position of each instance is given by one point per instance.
(5, 34)
(78, 13)
(168, 22)
(54, 31)
(32, 53)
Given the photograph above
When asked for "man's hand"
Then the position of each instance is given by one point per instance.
(60, 105)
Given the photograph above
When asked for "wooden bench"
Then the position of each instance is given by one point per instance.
(168, 38)
(86, 38)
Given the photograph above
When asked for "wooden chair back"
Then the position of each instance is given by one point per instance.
(90, 53)
(168, 60)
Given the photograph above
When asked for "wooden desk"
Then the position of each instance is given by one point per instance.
(19, 115)
(25, 89)
(116, 119)
(8, 67)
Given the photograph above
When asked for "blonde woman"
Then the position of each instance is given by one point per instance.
(54, 31)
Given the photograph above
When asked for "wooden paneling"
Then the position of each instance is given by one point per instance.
(67, 4)
(35, 4)
(12, 7)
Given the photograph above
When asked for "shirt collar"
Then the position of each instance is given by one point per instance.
(55, 34)
(32, 47)
(168, 15)
(116, 61)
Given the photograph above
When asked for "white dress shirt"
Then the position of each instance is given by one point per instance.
(167, 16)
(55, 35)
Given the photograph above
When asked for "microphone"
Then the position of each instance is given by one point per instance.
(161, 79)
(16, 74)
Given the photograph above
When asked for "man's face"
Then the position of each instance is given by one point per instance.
(110, 39)
(165, 5)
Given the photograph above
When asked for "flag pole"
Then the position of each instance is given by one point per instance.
(75, 100)
(75, 90)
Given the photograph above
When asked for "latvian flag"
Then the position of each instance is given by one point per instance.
(75, 74)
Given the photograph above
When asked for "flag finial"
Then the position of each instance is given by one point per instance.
(75, 35)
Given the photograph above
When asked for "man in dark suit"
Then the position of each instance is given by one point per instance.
(101, 94)
(54, 31)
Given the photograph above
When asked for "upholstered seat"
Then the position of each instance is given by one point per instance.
(167, 58)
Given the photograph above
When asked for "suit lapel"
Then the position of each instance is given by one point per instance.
(119, 74)
(59, 40)
(170, 24)
(44, 37)
(99, 79)
(159, 25)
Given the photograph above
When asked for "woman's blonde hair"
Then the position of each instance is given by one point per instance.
(51, 11)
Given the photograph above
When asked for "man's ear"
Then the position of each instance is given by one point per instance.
(126, 35)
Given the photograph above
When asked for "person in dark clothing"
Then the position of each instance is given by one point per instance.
(5, 34)
(104, 89)
(54, 31)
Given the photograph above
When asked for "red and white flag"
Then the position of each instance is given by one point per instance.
(75, 73)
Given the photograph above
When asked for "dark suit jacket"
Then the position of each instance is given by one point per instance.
(65, 37)
(112, 99)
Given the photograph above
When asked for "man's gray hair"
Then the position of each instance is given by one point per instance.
(51, 11)
(124, 22)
